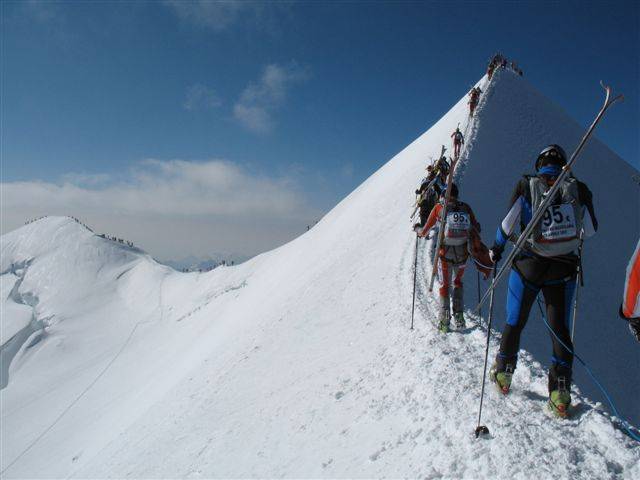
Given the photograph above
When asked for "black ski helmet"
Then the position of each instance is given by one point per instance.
(551, 155)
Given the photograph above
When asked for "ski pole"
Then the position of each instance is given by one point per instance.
(579, 283)
(482, 429)
(415, 274)
(478, 283)
(537, 216)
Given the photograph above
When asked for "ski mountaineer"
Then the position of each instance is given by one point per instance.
(461, 237)
(458, 140)
(474, 96)
(548, 262)
(422, 193)
(630, 308)
(442, 167)
(490, 71)
(429, 192)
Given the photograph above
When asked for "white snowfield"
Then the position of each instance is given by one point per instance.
(300, 362)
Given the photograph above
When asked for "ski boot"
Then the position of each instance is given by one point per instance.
(459, 319)
(502, 379)
(445, 319)
(458, 306)
(560, 400)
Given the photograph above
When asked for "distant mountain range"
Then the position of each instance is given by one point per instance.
(192, 263)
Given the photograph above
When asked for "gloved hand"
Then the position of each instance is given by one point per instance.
(495, 253)
(634, 326)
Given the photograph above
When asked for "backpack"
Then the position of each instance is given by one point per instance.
(558, 231)
(457, 225)
(443, 166)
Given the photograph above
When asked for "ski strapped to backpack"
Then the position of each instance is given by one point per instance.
(443, 219)
(422, 195)
(550, 195)
(559, 231)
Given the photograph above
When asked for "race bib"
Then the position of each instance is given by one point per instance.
(458, 225)
(558, 224)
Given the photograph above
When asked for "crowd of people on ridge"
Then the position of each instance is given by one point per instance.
(80, 222)
(500, 61)
(549, 263)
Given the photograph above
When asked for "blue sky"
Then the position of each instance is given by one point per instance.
(297, 101)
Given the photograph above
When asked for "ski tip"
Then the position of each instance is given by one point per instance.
(607, 89)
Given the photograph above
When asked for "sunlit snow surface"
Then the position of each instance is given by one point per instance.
(299, 363)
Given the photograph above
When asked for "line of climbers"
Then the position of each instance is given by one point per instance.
(549, 263)
(500, 61)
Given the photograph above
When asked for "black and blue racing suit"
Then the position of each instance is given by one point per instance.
(532, 273)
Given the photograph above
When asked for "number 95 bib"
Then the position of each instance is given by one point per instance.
(457, 228)
(558, 224)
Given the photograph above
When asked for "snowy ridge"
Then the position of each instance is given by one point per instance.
(298, 362)
(473, 125)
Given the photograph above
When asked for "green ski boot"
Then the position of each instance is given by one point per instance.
(502, 379)
(459, 319)
(445, 318)
(560, 400)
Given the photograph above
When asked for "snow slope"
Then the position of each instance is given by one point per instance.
(299, 362)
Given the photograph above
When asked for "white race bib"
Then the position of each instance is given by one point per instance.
(558, 223)
(458, 225)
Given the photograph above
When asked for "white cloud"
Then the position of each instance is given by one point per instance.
(221, 15)
(255, 118)
(201, 97)
(217, 15)
(254, 109)
(172, 208)
(92, 179)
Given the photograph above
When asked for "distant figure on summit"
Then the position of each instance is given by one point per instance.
(458, 140)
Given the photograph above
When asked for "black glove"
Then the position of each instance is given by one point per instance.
(496, 253)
